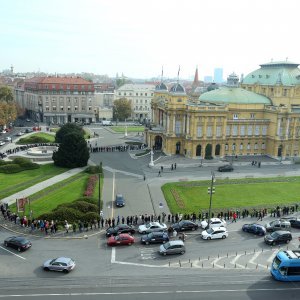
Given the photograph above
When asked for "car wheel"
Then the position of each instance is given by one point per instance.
(6, 244)
(147, 243)
(287, 241)
(165, 253)
(273, 244)
(224, 237)
(144, 232)
(65, 271)
(182, 252)
(46, 269)
(209, 238)
(19, 249)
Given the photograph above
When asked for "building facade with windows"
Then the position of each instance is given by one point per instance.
(140, 96)
(259, 116)
(58, 100)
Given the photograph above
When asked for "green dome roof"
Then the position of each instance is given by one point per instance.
(280, 72)
(234, 95)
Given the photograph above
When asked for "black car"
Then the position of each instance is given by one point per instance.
(122, 228)
(17, 242)
(227, 168)
(254, 228)
(120, 202)
(278, 237)
(184, 225)
(155, 237)
(295, 223)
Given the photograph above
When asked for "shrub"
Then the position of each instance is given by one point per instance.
(94, 169)
(89, 191)
(33, 139)
(29, 166)
(88, 200)
(10, 168)
(20, 160)
(81, 206)
(90, 216)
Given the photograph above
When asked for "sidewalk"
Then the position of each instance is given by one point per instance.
(40, 186)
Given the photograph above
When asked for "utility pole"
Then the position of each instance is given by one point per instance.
(211, 191)
(99, 191)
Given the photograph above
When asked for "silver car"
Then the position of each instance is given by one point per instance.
(61, 264)
(172, 247)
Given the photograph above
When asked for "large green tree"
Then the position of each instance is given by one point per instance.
(66, 129)
(8, 108)
(72, 152)
(122, 109)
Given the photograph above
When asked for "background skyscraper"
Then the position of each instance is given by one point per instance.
(218, 75)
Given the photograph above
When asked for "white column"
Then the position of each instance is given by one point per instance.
(188, 125)
(287, 128)
(167, 123)
(278, 126)
(174, 120)
(184, 127)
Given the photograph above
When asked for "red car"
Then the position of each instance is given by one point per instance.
(121, 239)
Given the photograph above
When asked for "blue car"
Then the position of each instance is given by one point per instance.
(155, 237)
(254, 228)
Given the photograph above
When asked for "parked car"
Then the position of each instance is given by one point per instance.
(121, 239)
(61, 264)
(213, 222)
(28, 130)
(226, 168)
(278, 237)
(121, 228)
(17, 242)
(152, 226)
(184, 225)
(295, 223)
(2, 143)
(7, 139)
(254, 228)
(172, 247)
(20, 133)
(120, 201)
(155, 237)
(214, 233)
(278, 225)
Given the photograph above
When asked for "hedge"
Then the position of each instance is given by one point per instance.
(10, 168)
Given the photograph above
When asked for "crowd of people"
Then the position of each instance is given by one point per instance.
(52, 226)
(117, 148)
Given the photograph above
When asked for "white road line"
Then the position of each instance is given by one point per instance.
(13, 253)
(234, 261)
(113, 255)
(215, 262)
(252, 260)
(271, 257)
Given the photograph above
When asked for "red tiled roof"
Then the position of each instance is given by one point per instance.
(58, 80)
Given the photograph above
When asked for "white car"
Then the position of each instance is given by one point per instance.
(2, 143)
(215, 233)
(214, 222)
(20, 133)
(152, 226)
(7, 139)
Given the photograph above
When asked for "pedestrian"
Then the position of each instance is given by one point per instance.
(144, 177)
(162, 168)
(260, 216)
(159, 174)
(175, 166)
(172, 167)
(234, 216)
(259, 163)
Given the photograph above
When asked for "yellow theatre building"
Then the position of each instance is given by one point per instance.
(258, 116)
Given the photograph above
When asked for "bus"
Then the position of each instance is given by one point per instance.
(286, 266)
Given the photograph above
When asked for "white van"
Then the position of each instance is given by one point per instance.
(106, 123)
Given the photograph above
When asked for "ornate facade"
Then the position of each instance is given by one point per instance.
(259, 116)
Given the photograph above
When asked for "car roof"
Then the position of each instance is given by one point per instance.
(177, 242)
(283, 232)
(63, 259)
(219, 228)
(215, 219)
(124, 235)
(119, 196)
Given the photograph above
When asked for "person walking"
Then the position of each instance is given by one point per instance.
(234, 216)
(175, 166)
(159, 174)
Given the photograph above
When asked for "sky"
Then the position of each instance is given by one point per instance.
(138, 38)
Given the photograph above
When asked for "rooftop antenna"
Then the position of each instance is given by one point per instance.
(162, 73)
(178, 74)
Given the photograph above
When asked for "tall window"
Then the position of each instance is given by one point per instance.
(250, 128)
(248, 146)
(264, 130)
(255, 146)
(241, 146)
(242, 130)
(219, 131)
(226, 147)
(257, 129)
(209, 131)
(228, 130)
(177, 127)
(234, 130)
(263, 146)
(199, 131)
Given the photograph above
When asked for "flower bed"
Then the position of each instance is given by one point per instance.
(90, 185)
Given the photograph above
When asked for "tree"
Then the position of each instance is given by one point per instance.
(6, 94)
(66, 129)
(8, 109)
(122, 109)
(72, 152)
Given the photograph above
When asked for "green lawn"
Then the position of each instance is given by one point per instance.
(12, 183)
(65, 191)
(121, 129)
(27, 139)
(232, 194)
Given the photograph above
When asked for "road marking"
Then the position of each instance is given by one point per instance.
(271, 257)
(113, 255)
(156, 293)
(234, 261)
(13, 253)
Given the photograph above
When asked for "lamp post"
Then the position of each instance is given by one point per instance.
(125, 129)
(211, 191)
(99, 191)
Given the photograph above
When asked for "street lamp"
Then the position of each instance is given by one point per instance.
(211, 191)
(99, 191)
(125, 129)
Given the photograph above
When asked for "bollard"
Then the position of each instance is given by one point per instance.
(254, 250)
(189, 260)
(256, 266)
(202, 265)
(191, 264)
(245, 252)
(262, 250)
(245, 266)
(235, 253)
(213, 265)
(235, 266)
(208, 257)
(227, 255)
(267, 266)
(169, 263)
(199, 258)
(224, 265)
(218, 255)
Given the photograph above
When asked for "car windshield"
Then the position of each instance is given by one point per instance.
(150, 235)
(166, 245)
(210, 231)
(274, 234)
